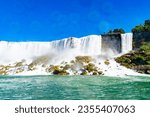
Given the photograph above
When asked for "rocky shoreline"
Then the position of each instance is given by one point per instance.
(81, 65)
(138, 60)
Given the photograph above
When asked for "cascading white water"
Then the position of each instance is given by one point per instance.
(60, 50)
(16, 51)
(90, 45)
(126, 41)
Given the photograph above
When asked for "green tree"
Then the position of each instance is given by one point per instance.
(119, 31)
(139, 28)
(147, 28)
(142, 28)
(147, 23)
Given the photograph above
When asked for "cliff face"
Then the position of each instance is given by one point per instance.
(140, 38)
(111, 41)
(119, 43)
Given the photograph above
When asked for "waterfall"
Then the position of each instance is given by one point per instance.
(90, 45)
(60, 50)
(126, 42)
(16, 51)
(63, 50)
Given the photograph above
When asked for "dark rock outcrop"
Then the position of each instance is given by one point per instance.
(112, 41)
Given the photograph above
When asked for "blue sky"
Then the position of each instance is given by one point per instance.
(45, 20)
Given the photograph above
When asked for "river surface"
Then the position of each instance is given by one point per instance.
(74, 88)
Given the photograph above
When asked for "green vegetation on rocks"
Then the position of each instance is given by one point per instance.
(16, 68)
(81, 65)
(83, 59)
(138, 60)
(146, 48)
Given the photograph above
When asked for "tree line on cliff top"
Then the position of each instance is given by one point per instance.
(139, 28)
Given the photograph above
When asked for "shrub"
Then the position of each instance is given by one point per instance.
(146, 48)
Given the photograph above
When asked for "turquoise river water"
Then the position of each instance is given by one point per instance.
(74, 88)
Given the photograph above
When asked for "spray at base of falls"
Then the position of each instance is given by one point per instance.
(58, 51)
(36, 57)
